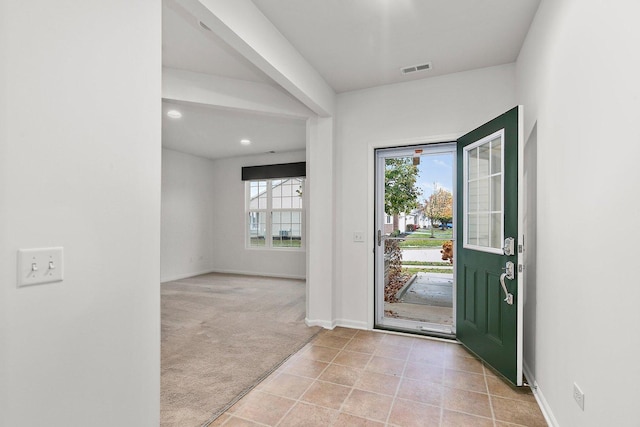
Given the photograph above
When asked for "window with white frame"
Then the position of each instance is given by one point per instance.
(483, 211)
(275, 213)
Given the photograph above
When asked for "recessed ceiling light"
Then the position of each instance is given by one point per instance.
(174, 114)
(245, 142)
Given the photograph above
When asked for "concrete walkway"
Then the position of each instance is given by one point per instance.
(433, 289)
(429, 298)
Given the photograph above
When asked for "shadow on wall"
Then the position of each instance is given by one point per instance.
(530, 218)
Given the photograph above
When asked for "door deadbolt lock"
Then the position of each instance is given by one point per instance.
(509, 246)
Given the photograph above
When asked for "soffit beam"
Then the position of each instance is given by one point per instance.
(241, 25)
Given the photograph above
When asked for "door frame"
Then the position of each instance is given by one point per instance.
(449, 147)
(371, 242)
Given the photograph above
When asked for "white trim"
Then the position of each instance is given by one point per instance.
(420, 337)
(371, 147)
(465, 182)
(260, 274)
(322, 323)
(433, 147)
(545, 408)
(353, 324)
(520, 241)
(185, 275)
(416, 326)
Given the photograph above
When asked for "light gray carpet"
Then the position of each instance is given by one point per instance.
(220, 335)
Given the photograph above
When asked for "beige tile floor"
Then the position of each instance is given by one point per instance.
(347, 377)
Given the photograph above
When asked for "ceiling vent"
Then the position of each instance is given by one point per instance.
(416, 68)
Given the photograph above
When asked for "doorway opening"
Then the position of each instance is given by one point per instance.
(414, 252)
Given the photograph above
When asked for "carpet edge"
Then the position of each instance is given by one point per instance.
(253, 385)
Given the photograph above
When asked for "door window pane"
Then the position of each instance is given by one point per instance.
(484, 152)
(473, 164)
(483, 194)
(483, 181)
(496, 155)
(496, 228)
(496, 193)
(483, 230)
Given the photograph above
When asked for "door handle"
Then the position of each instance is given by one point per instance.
(508, 274)
(379, 237)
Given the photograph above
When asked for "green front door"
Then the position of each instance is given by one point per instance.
(489, 244)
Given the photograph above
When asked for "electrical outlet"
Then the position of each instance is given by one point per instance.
(578, 395)
(358, 236)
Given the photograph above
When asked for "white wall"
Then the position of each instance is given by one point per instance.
(409, 113)
(188, 206)
(229, 250)
(80, 168)
(577, 77)
(321, 219)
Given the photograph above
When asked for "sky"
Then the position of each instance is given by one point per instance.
(436, 168)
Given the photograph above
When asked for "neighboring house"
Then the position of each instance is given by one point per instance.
(416, 217)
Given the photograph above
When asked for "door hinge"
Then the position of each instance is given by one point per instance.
(520, 249)
(520, 268)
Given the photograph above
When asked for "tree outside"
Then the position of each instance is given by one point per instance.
(401, 193)
(438, 208)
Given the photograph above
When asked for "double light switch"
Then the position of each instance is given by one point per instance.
(37, 266)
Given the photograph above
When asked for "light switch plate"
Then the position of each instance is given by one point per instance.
(358, 236)
(36, 266)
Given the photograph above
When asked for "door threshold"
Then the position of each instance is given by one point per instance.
(418, 328)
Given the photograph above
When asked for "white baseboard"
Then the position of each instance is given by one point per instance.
(345, 323)
(254, 273)
(243, 273)
(184, 275)
(322, 323)
(537, 393)
(353, 324)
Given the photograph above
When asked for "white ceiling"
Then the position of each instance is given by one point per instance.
(186, 46)
(216, 133)
(358, 44)
(353, 44)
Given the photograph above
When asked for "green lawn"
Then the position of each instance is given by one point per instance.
(427, 270)
(277, 243)
(427, 263)
(422, 238)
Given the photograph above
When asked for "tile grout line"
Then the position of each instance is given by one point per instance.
(486, 384)
(295, 401)
(340, 411)
(352, 388)
(315, 380)
(395, 395)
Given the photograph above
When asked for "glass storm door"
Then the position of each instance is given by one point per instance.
(489, 244)
(414, 286)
